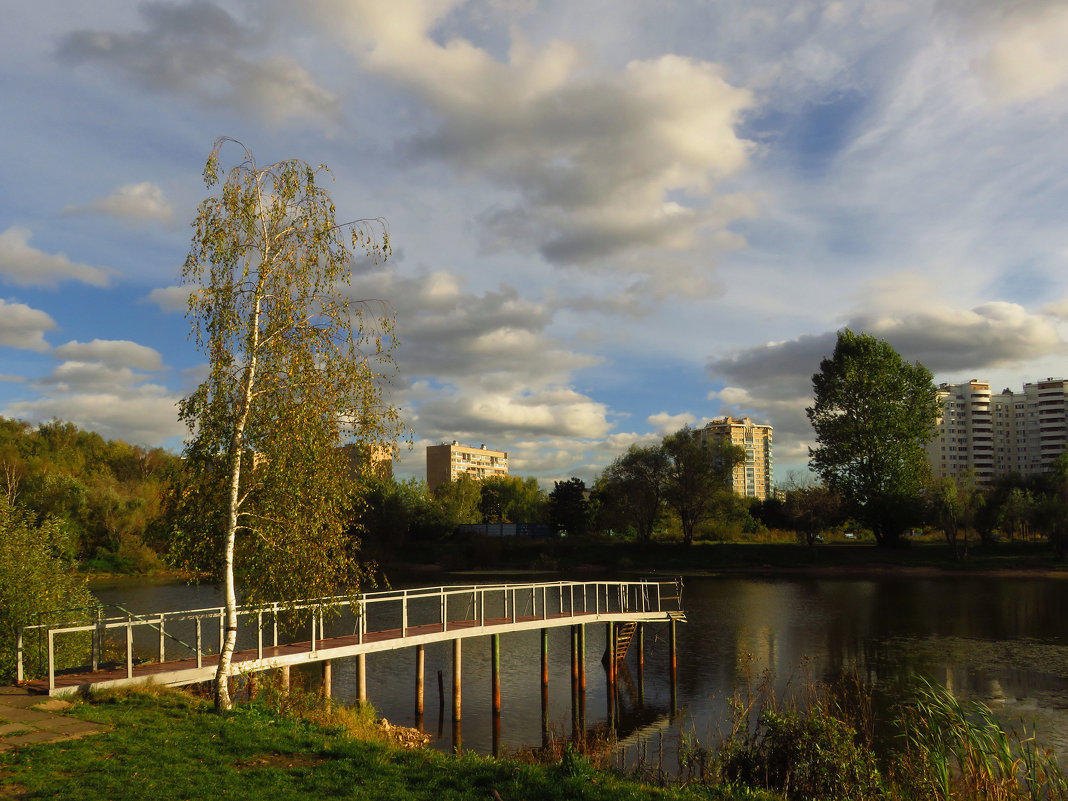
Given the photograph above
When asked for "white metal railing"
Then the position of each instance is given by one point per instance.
(388, 610)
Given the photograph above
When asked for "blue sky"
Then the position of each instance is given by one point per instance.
(610, 218)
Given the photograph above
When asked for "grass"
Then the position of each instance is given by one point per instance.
(814, 745)
(170, 745)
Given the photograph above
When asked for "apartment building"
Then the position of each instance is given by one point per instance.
(985, 435)
(753, 477)
(447, 462)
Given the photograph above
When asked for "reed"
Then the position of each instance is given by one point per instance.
(953, 750)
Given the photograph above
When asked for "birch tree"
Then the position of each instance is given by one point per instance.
(296, 369)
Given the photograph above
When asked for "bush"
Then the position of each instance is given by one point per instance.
(35, 579)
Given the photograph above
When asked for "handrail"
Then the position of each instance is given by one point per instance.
(571, 599)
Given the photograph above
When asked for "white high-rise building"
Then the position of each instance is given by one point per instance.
(753, 477)
(985, 435)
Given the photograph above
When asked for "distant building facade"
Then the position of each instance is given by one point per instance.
(447, 462)
(754, 476)
(369, 459)
(986, 435)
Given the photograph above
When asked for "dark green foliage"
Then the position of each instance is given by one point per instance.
(459, 501)
(811, 510)
(36, 577)
(631, 490)
(511, 499)
(805, 755)
(108, 494)
(697, 479)
(872, 412)
(569, 509)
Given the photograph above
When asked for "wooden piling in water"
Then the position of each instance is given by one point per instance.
(495, 681)
(420, 665)
(495, 672)
(361, 678)
(456, 671)
(544, 687)
(610, 690)
(328, 677)
(641, 665)
(672, 642)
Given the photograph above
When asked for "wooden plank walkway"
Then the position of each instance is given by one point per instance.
(186, 671)
(407, 618)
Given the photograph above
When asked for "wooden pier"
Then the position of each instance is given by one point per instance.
(335, 628)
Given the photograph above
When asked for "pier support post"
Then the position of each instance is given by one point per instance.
(641, 664)
(544, 687)
(285, 679)
(610, 693)
(576, 728)
(495, 681)
(420, 665)
(456, 673)
(495, 672)
(672, 642)
(361, 678)
(328, 677)
(582, 675)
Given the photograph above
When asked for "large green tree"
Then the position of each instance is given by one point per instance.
(633, 487)
(36, 577)
(569, 508)
(872, 413)
(512, 499)
(295, 371)
(697, 477)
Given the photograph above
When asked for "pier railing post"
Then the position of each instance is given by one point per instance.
(200, 650)
(51, 661)
(313, 621)
(98, 638)
(19, 670)
(404, 614)
(444, 622)
(162, 641)
(129, 649)
(259, 635)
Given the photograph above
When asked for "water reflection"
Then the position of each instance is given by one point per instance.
(1000, 640)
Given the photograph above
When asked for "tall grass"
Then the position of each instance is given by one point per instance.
(961, 751)
(817, 742)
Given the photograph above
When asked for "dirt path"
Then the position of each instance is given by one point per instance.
(27, 719)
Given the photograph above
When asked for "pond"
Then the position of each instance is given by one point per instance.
(1001, 640)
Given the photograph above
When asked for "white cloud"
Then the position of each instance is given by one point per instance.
(24, 327)
(134, 202)
(665, 423)
(201, 50)
(608, 163)
(146, 414)
(773, 381)
(115, 353)
(25, 265)
(170, 298)
(1022, 50)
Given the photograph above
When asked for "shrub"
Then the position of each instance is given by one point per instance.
(36, 580)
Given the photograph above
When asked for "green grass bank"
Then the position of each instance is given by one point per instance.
(171, 746)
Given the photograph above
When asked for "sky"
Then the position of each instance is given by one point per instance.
(609, 218)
